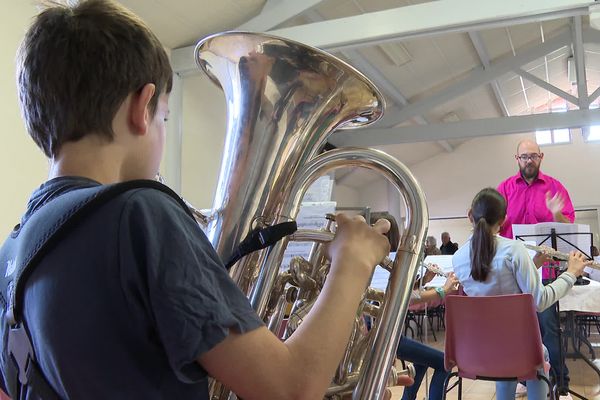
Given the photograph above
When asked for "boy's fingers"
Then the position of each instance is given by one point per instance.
(359, 218)
(382, 226)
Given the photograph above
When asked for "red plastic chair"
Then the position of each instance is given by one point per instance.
(493, 338)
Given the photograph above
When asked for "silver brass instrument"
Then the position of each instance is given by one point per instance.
(284, 100)
(559, 255)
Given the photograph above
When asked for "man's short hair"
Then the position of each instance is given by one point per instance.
(76, 66)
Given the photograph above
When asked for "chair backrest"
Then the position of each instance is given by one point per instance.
(493, 337)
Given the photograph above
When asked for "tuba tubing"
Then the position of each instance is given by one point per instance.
(284, 100)
(382, 351)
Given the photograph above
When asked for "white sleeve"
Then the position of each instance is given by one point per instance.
(529, 280)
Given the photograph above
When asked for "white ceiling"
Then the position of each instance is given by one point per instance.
(180, 23)
(433, 63)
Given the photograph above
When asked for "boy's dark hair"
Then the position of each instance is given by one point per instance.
(76, 66)
(487, 209)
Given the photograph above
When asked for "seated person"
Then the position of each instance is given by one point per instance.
(431, 247)
(423, 356)
(489, 265)
(448, 247)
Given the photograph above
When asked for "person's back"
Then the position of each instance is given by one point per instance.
(501, 278)
(489, 264)
(102, 303)
(492, 265)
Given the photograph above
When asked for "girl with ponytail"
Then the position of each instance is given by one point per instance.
(487, 210)
(490, 265)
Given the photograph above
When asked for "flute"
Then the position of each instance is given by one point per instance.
(435, 269)
(559, 255)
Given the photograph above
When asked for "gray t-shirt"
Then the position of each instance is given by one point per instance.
(124, 305)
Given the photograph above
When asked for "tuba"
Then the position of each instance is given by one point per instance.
(284, 100)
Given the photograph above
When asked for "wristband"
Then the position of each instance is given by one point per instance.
(441, 292)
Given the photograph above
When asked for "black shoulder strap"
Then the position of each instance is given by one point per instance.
(57, 218)
(43, 230)
(261, 238)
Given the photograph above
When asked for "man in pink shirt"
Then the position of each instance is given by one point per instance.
(533, 197)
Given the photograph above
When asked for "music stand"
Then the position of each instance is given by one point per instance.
(554, 237)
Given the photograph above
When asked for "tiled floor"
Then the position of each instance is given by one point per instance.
(584, 380)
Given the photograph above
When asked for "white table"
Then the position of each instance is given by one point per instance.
(584, 298)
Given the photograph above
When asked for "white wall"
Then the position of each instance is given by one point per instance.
(346, 196)
(450, 180)
(204, 126)
(22, 166)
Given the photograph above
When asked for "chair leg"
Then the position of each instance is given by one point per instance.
(432, 330)
(447, 380)
(551, 390)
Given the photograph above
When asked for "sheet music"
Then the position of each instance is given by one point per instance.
(593, 273)
(566, 234)
(319, 191)
(381, 276)
(311, 216)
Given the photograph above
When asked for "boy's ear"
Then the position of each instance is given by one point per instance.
(139, 110)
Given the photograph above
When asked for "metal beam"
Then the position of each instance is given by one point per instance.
(273, 14)
(594, 95)
(381, 81)
(387, 87)
(431, 18)
(578, 56)
(277, 13)
(466, 129)
(545, 85)
(485, 60)
(480, 77)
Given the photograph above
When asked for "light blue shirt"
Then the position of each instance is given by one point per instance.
(512, 271)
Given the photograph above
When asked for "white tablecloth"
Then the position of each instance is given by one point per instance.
(582, 298)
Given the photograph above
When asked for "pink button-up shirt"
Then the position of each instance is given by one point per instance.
(526, 204)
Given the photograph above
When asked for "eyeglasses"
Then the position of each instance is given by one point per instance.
(535, 157)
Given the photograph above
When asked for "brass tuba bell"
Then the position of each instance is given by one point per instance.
(284, 99)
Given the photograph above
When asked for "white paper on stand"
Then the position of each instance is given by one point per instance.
(566, 233)
(311, 216)
(381, 276)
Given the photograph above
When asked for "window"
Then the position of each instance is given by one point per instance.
(594, 135)
(543, 137)
(562, 135)
(554, 136)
